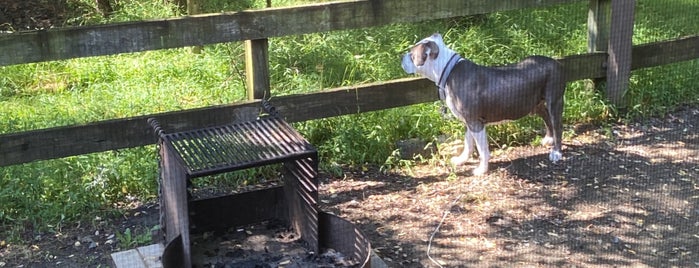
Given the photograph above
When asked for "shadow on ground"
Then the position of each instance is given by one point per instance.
(625, 199)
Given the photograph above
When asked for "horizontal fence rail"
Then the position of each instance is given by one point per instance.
(662, 53)
(23, 147)
(86, 41)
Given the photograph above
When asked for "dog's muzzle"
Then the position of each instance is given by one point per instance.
(407, 64)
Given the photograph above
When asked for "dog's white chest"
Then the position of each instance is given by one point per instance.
(450, 104)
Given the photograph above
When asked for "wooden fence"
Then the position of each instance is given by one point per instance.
(610, 24)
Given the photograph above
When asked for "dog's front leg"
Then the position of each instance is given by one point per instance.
(467, 152)
(481, 139)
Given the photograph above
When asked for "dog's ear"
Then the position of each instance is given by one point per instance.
(432, 49)
(422, 51)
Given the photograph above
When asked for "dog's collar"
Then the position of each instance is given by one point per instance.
(442, 83)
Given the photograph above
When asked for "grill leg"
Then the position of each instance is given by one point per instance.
(175, 219)
(301, 192)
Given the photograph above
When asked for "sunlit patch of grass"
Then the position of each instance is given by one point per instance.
(49, 193)
(669, 87)
(100, 88)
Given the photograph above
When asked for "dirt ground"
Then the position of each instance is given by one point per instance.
(628, 198)
(623, 196)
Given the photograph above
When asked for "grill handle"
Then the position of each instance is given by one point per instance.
(269, 109)
(156, 127)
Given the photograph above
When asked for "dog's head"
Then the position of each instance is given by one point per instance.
(428, 57)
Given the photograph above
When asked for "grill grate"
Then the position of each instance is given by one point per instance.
(232, 147)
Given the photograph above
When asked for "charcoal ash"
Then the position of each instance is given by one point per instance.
(268, 244)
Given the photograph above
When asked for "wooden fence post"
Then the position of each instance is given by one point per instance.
(610, 29)
(598, 26)
(257, 68)
(619, 50)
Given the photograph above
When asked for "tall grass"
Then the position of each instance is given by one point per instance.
(45, 195)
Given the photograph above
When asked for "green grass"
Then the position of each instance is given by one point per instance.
(44, 195)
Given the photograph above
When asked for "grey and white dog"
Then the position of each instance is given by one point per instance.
(479, 95)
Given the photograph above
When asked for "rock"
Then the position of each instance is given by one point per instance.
(87, 239)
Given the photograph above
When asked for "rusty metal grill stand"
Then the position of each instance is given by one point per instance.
(201, 152)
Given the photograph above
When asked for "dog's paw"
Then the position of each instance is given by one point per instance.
(555, 156)
(481, 170)
(459, 160)
(547, 141)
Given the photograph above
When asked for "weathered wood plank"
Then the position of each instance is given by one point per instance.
(257, 69)
(86, 41)
(145, 257)
(661, 53)
(584, 66)
(619, 50)
(357, 99)
(151, 255)
(16, 148)
(129, 258)
(598, 25)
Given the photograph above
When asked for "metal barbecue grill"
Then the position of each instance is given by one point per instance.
(213, 150)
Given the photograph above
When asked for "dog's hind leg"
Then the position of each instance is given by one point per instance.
(556, 154)
(554, 104)
(467, 152)
(542, 111)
